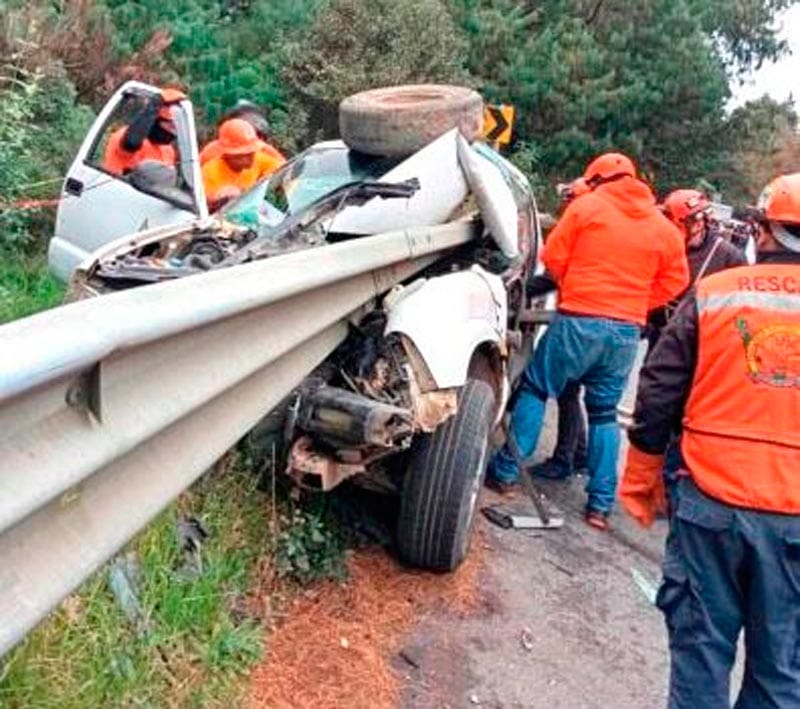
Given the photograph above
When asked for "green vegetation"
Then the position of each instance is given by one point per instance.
(198, 620)
(198, 631)
(26, 287)
(310, 545)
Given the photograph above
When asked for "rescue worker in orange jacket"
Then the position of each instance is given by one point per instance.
(569, 456)
(150, 136)
(240, 166)
(706, 251)
(614, 257)
(255, 116)
(727, 368)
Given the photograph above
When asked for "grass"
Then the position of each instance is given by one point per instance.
(26, 286)
(196, 640)
(196, 634)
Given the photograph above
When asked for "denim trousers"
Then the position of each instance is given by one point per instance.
(597, 353)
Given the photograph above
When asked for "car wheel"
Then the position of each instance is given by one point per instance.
(444, 476)
(397, 121)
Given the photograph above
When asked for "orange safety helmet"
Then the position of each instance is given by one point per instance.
(608, 166)
(238, 137)
(779, 204)
(681, 205)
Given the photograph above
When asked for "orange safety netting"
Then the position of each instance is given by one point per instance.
(335, 646)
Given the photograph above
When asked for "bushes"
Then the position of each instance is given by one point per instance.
(40, 127)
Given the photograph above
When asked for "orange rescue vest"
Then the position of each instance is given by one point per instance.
(741, 437)
(119, 161)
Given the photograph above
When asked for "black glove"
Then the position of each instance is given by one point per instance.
(540, 285)
(141, 125)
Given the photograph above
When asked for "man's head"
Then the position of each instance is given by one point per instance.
(688, 210)
(608, 167)
(252, 113)
(778, 214)
(239, 143)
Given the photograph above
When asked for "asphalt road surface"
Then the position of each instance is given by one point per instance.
(566, 621)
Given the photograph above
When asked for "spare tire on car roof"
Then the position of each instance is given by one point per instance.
(396, 121)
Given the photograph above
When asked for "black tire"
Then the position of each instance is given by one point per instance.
(399, 120)
(444, 476)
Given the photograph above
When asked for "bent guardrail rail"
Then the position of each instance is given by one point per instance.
(111, 407)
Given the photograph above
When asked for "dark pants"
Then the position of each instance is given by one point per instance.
(726, 570)
(570, 452)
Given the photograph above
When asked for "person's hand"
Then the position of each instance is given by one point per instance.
(222, 196)
(642, 492)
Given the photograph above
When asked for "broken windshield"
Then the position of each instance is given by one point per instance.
(301, 182)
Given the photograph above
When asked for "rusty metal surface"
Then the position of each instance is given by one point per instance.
(110, 407)
(304, 460)
(432, 408)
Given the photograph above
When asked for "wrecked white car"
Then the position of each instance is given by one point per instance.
(407, 403)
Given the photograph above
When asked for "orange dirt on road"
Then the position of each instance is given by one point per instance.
(335, 646)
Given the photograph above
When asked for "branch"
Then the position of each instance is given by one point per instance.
(595, 12)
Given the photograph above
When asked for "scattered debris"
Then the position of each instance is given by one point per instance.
(123, 579)
(519, 517)
(406, 657)
(648, 588)
(526, 639)
(191, 534)
(555, 564)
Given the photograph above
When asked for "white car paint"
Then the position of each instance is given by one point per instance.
(448, 317)
(494, 197)
(107, 207)
(442, 189)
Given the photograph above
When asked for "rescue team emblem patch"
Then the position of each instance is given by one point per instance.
(772, 353)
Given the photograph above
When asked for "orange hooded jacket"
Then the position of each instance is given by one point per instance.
(614, 255)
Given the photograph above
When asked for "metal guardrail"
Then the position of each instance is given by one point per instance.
(111, 407)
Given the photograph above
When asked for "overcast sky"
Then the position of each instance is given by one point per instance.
(780, 79)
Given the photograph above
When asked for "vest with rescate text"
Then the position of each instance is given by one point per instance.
(741, 432)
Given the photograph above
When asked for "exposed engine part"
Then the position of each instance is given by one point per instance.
(346, 418)
(305, 460)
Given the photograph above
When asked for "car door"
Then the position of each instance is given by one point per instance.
(98, 206)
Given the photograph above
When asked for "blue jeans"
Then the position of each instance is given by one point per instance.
(599, 354)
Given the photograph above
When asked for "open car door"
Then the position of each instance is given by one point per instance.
(98, 206)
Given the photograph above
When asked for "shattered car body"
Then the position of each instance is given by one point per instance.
(407, 403)
(399, 377)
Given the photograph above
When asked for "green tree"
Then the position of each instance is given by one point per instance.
(762, 142)
(355, 45)
(650, 78)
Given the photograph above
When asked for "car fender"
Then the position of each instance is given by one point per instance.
(448, 318)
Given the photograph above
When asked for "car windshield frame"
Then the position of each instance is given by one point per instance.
(310, 176)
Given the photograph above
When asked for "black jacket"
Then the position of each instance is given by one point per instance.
(725, 255)
(666, 377)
